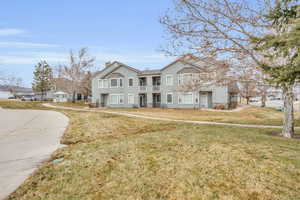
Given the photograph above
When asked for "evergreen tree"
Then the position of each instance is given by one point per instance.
(281, 51)
(42, 78)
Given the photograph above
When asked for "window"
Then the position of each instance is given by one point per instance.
(116, 82)
(113, 99)
(185, 78)
(169, 80)
(185, 98)
(169, 98)
(113, 83)
(103, 83)
(121, 82)
(130, 99)
(130, 82)
(116, 98)
(100, 83)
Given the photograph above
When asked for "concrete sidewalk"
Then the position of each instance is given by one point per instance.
(165, 119)
(27, 137)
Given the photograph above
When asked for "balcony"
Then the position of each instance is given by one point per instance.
(143, 88)
(156, 88)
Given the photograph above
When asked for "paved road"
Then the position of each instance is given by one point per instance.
(27, 137)
(164, 119)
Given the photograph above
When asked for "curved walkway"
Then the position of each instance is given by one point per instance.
(165, 119)
(27, 138)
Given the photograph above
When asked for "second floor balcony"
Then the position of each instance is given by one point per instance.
(144, 86)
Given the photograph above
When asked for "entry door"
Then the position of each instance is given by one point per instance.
(104, 99)
(203, 100)
(143, 100)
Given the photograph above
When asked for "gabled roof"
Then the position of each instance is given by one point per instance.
(188, 59)
(177, 60)
(119, 65)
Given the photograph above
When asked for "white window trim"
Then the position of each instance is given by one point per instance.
(167, 98)
(118, 99)
(132, 82)
(118, 83)
(130, 94)
(100, 83)
(182, 77)
(170, 84)
(110, 99)
(104, 82)
(110, 82)
(183, 102)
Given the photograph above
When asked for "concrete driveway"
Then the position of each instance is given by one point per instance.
(27, 137)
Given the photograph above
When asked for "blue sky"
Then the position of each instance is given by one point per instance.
(127, 31)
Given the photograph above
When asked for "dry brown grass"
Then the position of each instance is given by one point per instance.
(251, 115)
(87, 127)
(114, 157)
(16, 104)
(77, 104)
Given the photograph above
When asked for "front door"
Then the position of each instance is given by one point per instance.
(143, 100)
(104, 99)
(203, 100)
(156, 100)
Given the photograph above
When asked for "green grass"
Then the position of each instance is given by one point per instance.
(116, 157)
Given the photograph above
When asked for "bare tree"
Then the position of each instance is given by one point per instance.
(76, 70)
(227, 29)
(86, 86)
(215, 27)
(251, 79)
(208, 72)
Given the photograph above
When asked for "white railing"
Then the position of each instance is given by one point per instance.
(156, 88)
(143, 88)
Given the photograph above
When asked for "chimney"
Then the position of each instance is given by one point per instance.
(107, 64)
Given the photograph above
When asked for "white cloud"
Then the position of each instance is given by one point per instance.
(33, 58)
(27, 45)
(139, 60)
(11, 32)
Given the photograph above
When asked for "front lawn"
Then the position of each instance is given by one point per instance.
(116, 157)
(251, 115)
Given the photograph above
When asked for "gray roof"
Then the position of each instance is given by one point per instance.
(150, 72)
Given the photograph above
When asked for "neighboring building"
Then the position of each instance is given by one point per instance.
(60, 96)
(62, 85)
(121, 86)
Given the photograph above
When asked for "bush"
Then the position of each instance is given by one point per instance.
(219, 107)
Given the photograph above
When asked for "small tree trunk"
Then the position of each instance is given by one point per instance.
(263, 100)
(288, 123)
(73, 98)
(42, 97)
(247, 100)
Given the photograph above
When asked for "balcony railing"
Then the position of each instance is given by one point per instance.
(143, 88)
(156, 87)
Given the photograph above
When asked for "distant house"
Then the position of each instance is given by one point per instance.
(61, 85)
(60, 96)
(5, 94)
(15, 91)
(122, 86)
